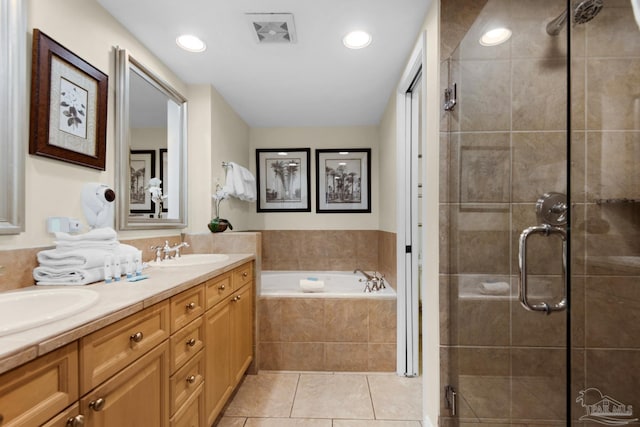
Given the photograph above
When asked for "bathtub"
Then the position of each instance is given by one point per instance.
(341, 328)
(337, 284)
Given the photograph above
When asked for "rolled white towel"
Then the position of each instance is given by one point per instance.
(309, 285)
(494, 288)
(67, 276)
(95, 235)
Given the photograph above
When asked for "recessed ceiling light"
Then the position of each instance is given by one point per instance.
(344, 153)
(282, 153)
(495, 37)
(357, 39)
(191, 43)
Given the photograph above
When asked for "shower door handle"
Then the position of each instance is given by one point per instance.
(545, 230)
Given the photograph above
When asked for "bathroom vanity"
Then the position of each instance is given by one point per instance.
(169, 355)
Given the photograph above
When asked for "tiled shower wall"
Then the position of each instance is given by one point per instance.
(501, 149)
(330, 250)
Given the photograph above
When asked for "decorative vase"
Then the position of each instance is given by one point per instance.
(218, 225)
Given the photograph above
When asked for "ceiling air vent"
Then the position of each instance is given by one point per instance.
(273, 27)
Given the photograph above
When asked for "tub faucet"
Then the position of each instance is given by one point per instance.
(365, 274)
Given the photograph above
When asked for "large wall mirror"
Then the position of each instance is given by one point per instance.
(13, 114)
(151, 146)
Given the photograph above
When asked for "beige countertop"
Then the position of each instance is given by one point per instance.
(117, 300)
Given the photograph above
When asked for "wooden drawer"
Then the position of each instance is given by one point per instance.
(192, 412)
(186, 307)
(67, 418)
(186, 343)
(37, 391)
(186, 380)
(105, 352)
(136, 396)
(242, 275)
(218, 289)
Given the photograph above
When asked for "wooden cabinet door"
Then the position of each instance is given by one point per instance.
(241, 332)
(217, 354)
(32, 394)
(136, 396)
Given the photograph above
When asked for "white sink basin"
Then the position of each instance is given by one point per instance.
(190, 260)
(24, 310)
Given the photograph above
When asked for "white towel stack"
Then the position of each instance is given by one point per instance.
(79, 259)
(240, 183)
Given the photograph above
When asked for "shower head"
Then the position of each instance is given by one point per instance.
(583, 11)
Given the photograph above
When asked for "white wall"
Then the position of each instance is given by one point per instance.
(315, 137)
(388, 170)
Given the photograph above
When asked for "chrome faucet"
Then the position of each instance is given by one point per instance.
(374, 282)
(365, 274)
(168, 249)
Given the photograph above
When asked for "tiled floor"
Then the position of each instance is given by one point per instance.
(321, 399)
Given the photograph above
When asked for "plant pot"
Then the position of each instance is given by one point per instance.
(218, 225)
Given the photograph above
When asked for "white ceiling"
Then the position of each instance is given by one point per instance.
(314, 82)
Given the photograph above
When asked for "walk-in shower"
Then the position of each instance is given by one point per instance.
(582, 12)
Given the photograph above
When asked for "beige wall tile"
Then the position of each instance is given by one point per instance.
(270, 319)
(346, 320)
(303, 356)
(346, 357)
(483, 172)
(611, 94)
(16, 268)
(381, 357)
(484, 101)
(612, 33)
(612, 165)
(303, 320)
(270, 356)
(615, 373)
(382, 321)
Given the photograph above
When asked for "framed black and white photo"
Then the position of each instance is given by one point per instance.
(283, 180)
(343, 181)
(143, 167)
(164, 175)
(68, 105)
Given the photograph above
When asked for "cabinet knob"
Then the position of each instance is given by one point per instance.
(245, 274)
(191, 306)
(1, 418)
(97, 405)
(238, 298)
(222, 287)
(191, 379)
(77, 421)
(137, 337)
(191, 342)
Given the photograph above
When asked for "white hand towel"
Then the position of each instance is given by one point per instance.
(83, 258)
(635, 4)
(83, 245)
(69, 276)
(95, 235)
(311, 285)
(240, 183)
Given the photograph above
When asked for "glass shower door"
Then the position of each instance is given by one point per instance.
(552, 111)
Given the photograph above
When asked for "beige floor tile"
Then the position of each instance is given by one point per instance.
(396, 398)
(374, 423)
(264, 395)
(287, 422)
(231, 422)
(333, 396)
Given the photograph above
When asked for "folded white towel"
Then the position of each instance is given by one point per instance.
(635, 4)
(68, 276)
(494, 288)
(240, 183)
(75, 246)
(83, 258)
(95, 235)
(311, 285)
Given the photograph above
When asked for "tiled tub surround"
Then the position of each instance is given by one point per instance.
(507, 364)
(327, 334)
(116, 301)
(334, 250)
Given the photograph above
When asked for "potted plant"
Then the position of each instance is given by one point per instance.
(217, 224)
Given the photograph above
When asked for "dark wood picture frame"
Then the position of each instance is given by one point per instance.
(68, 105)
(343, 180)
(283, 179)
(139, 196)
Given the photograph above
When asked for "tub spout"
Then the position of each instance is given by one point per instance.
(364, 273)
